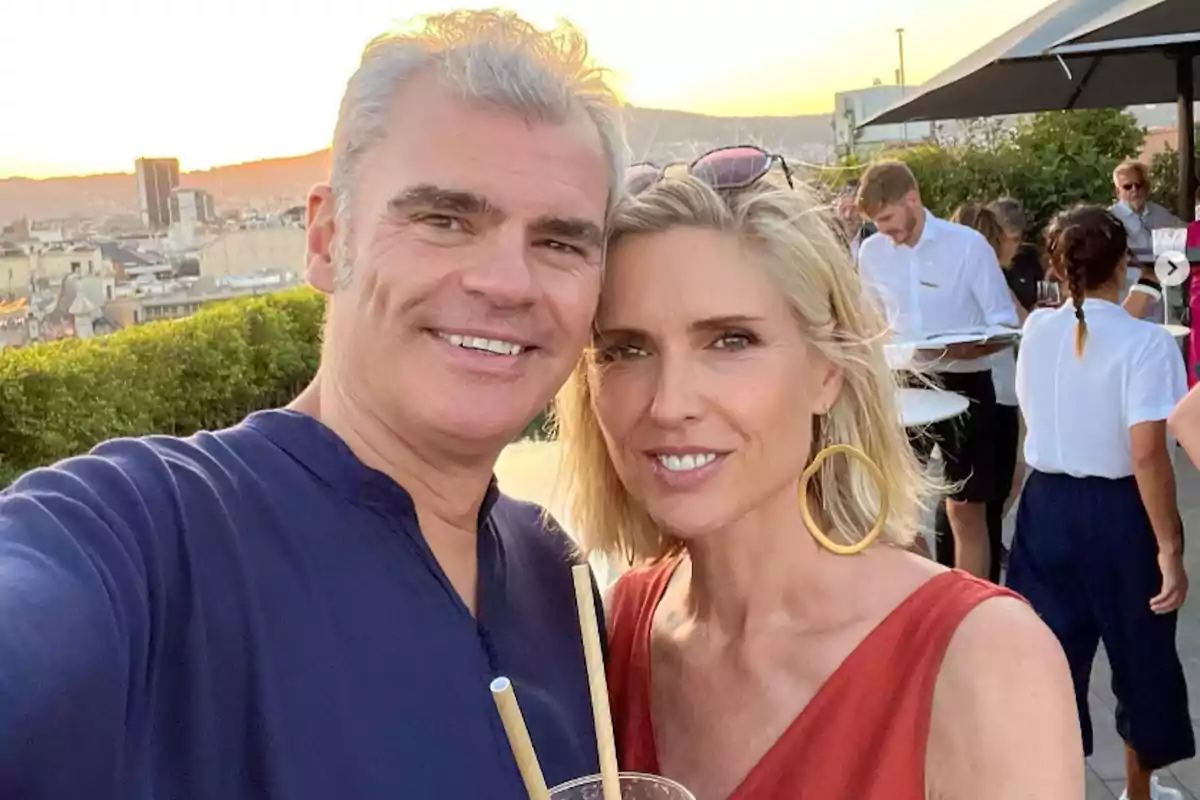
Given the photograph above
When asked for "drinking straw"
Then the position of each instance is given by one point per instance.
(594, 657)
(518, 739)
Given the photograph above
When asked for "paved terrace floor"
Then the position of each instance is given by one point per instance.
(1106, 767)
(528, 470)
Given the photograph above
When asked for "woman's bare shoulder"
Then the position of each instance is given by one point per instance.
(1004, 716)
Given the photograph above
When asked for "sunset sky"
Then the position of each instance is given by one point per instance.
(90, 85)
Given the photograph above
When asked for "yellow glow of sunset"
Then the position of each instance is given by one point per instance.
(90, 86)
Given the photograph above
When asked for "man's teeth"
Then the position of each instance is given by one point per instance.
(685, 463)
(489, 345)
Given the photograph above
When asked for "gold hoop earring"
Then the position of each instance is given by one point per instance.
(814, 529)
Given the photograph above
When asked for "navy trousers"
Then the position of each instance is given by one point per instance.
(1085, 557)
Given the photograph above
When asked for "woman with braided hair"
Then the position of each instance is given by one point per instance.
(1097, 550)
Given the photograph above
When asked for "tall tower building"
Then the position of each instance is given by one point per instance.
(156, 178)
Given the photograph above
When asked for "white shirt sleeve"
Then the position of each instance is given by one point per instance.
(988, 285)
(1157, 381)
(875, 295)
(1155, 294)
(1024, 354)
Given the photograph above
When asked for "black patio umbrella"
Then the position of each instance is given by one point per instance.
(1077, 54)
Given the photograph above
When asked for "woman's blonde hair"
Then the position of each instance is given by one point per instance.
(795, 240)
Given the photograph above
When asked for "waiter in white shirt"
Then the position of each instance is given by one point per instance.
(933, 277)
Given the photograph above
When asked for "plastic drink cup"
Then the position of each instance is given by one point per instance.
(634, 786)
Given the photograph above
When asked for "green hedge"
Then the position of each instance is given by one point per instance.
(203, 372)
(1164, 176)
(1048, 162)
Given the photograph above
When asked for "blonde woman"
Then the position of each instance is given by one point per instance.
(775, 639)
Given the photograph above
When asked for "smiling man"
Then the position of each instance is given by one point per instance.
(311, 604)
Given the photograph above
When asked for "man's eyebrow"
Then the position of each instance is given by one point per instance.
(437, 198)
(575, 229)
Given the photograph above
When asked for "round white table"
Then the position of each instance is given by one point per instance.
(899, 355)
(927, 406)
(904, 355)
(1178, 331)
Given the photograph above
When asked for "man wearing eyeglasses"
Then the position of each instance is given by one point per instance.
(1134, 208)
(1141, 218)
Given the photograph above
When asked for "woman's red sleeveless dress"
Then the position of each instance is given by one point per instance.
(862, 737)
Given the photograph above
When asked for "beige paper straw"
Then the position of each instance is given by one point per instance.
(594, 656)
(518, 739)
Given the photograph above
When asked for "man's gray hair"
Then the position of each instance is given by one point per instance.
(1008, 210)
(1136, 167)
(492, 57)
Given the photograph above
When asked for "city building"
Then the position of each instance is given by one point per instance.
(1159, 139)
(156, 179)
(46, 232)
(22, 269)
(851, 108)
(68, 308)
(162, 300)
(192, 207)
(252, 250)
(126, 264)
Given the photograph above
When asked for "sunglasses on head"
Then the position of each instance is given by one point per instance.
(726, 168)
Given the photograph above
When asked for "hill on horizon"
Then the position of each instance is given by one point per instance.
(275, 183)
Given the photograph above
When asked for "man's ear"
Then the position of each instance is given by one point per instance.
(320, 269)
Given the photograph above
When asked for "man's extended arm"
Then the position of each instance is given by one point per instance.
(74, 627)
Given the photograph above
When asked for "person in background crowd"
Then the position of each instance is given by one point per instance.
(847, 220)
(1098, 548)
(1025, 269)
(774, 639)
(1141, 217)
(1184, 425)
(935, 276)
(311, 604)
(1145, 297)
(1007, 417)
(1025, 265)
(1137, 212)
(849, 217)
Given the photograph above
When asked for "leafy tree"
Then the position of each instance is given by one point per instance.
(1109, 133)
(1164, 175)
(1051, 160)
(1067, 157)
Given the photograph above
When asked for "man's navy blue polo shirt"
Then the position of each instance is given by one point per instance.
(254, 613)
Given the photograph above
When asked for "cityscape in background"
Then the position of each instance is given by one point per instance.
(89, 255)
(81, 276)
